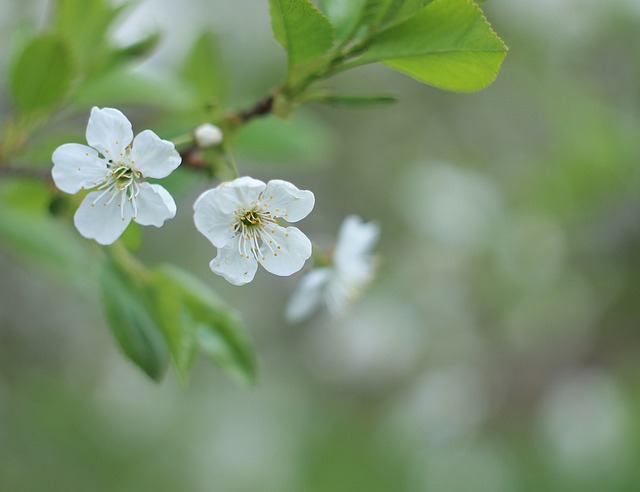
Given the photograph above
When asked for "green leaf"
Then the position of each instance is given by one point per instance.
(448, 44)
(302, 30)
(135, 51)
(176, 322)
(131, 322)
(203, 69)
(375, 11)
(345, 15)
(303, 140)
(348, 15)
(32, 234)
(85, 26)
(407, 8)
(351, 101)
(42, 74)
(219, 330)
(120, 87)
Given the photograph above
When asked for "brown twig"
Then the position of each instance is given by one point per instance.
(261, 108)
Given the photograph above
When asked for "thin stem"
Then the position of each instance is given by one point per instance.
(39, 173)
(183, 140)
(262, 107)
(232, 163)
(123, 257)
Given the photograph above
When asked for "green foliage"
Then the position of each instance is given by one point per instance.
(44, 241)
(85, 26)
(444, 43)
(42, 74)
(121, 87)
(303, 31)
(168, 314)
(301, 142)
(128, 311)
(203, 70)
(31, 233)
(135, 51)
(165, 314)
(191, 315)
(448, 44)
(381, 13)
(348, 16)
(175, 321)
(351, 101)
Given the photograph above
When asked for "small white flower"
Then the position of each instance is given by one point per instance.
(336, 286)
(240, 219)
(207, 135)
(114, 165)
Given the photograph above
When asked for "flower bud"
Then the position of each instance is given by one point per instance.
(207, 135)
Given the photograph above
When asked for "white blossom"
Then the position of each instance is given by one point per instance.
(207, 135)
(338, 285)
(114, 165)
(240, 218)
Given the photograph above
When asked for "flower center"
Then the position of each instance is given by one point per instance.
(252, 219)
(121, 181)
(255, 228)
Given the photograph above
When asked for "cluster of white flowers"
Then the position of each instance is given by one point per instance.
(242, 218)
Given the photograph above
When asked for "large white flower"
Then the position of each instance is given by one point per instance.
(240, 218)
(352, 267)
(115, 165)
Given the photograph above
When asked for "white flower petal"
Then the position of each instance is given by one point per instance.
(233, 266)
(102, 221)
(308, 295)
(284, 251)
(76, 167)
(214, 223)
(154, 204)
(109, 131)
(285, 200)
(355, 241)
(240, 193)
(152, 156)
(340, 292)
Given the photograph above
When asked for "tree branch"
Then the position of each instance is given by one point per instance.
(261, 108)
(40, 173)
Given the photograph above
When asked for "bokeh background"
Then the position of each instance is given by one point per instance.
(499, 347)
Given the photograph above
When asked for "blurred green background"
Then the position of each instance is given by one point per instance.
(499, 348)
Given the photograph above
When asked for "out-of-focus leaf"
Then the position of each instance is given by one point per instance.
(351, 101)
(85, 25)
(132, 237)
(302, 30)
(304, 140)
(203, 69)
(137, 50)
(220, 331)
(448, 44)
(42, 74)
(31, 233)
(131, 322)
(176, 322)
(119, 88)
(45, 242)
(25, 194)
